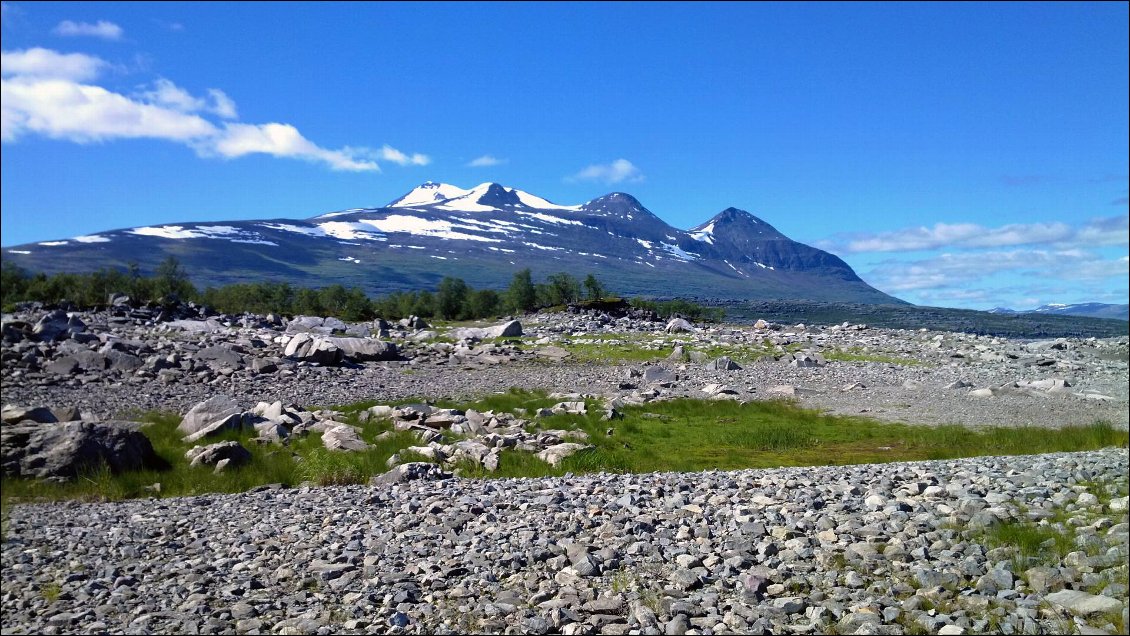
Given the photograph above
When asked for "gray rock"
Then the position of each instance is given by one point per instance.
(65, 450)
(1083, 603)
(343, 437)
(410, 472)
(365, 349)
(15, 414)
(723, 363)
(206, 413)
(678, 325)
(231, 453)
(556, 453)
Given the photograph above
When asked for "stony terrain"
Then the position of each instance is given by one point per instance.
(895, 548)
(128, 360)
(861, 549)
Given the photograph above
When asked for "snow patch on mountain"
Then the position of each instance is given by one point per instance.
(679, 252)
(550, 219)
(425, 227)
(298, 229)
(706, 234)
(346, 230)
(225, 232)
(329, 215)
(540, 203)
(428, 193)
(91, 238)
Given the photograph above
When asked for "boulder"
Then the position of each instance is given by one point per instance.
(679, 325)
(653, 375)
(511, 329)
(365, 349)
(322, 351)
(220, 357)
(804, 359)
(554, 454)
(15, 414)
(1083, 603)
(221, 454)
(723, 363)
(343, 437)
(65, 450)
(208, 412)
(410, 472)
(57, 325)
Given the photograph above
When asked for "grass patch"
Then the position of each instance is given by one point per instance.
(1032, 544)
(678, 435)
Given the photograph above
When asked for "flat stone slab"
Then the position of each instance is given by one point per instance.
(1084, 603)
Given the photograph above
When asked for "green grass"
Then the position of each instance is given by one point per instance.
(1032, 544)
(678, 435)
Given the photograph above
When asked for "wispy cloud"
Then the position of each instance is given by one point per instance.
(51, 94)
(618, 171)
(388, 153)
(1099, 231)
(101, 29)
(280, 140)
(166, 93)
(485, 161)
(962, 270)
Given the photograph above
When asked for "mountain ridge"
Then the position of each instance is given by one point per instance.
(483, 235)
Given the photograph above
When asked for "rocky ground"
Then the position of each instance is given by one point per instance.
(896, 548)
(892, 549)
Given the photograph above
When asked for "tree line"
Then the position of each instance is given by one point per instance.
(453, 299)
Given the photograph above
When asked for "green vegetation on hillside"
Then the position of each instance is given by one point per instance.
(453, 299)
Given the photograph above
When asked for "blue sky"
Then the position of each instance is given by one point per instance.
(967, 155)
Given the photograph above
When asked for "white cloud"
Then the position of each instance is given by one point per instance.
(62, 109)
(101, 29)
(222, 105)
(388, 153)
(615, 172)
(45, 93)
(45, 63)
(281, 140)
(485, 161)
(1101, 231)
(166, 93)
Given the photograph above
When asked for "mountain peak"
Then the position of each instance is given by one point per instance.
(734, 221)
(427, 193)
(484, 197)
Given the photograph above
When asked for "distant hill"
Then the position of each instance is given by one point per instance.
(1090, 310)
(905, 316)
(482, 235)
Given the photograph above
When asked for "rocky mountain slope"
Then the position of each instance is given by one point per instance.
(482, 235)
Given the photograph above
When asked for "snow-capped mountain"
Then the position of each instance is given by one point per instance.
(482, 235)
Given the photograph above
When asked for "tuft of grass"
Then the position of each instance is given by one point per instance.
(51, 592)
